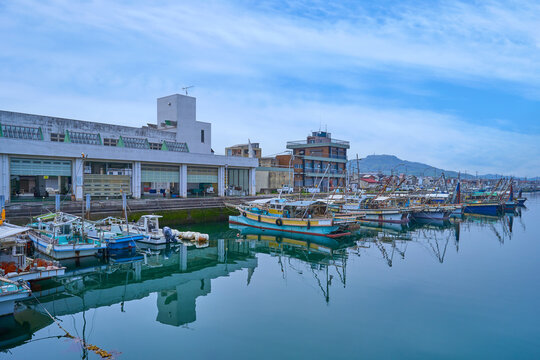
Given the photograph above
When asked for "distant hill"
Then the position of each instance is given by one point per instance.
(385, 164)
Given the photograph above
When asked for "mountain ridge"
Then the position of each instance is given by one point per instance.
(386, 164)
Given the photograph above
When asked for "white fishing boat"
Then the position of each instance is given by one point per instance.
(57, 236)
(155, 237)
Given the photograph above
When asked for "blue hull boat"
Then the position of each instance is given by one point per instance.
(482, 209)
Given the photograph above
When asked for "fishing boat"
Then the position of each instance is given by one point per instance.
(430, 212)
(15, 265)
(155, 237)
(510, 204)
(11, 291)
(114, 233)
(59, 236)
(520, 200)
(299, 217)
(386, 215)
(482, 208)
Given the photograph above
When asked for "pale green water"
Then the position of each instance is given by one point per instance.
(469, 290)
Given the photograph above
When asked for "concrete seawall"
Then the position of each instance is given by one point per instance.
(174, 211)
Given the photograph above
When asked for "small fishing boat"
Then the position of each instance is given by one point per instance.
(152, 234)
(433, 213)
(113, 232)
(155, 237)
(299, 217)
(386, 215)
(373, 209)
(15, 265)
(59, 236)
(11, 291)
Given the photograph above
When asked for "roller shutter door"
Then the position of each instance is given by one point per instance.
(160, 174)
(40, 167)
(202, 175)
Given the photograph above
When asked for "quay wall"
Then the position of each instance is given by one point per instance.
(174, 211)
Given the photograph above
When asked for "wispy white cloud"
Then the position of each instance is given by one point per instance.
(454, 40)
(272, 72)
(437, 139)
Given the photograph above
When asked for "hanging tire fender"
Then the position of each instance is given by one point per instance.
(279, 222)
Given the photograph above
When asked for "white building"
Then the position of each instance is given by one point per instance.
(43, 155)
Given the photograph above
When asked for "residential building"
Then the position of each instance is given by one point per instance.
(244, 150)
(319, 159)
(43, 155)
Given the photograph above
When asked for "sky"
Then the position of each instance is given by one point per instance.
(452, 84)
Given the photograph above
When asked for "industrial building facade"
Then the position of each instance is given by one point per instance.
(41, 156)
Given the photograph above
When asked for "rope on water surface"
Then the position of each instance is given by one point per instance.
(96, 349)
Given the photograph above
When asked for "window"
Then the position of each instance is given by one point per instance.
(21, 132)
(110, 142)
(202, 136)
(58, 137)
(76, 137)
(155, 146)
(175, 146)
(135, 143)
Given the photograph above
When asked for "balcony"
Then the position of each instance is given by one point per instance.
(326, 142)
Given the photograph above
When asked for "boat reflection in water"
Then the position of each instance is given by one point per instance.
(179, 274)
(301, 252)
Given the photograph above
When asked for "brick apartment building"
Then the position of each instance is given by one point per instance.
(319, 160)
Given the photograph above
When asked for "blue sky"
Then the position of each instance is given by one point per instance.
(453, 84)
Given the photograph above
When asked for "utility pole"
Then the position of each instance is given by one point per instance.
(82, 203)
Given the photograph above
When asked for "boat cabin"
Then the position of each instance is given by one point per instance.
(149, 223)
(12, 248)
(291, 209)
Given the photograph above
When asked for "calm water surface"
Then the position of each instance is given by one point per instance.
(468, 290)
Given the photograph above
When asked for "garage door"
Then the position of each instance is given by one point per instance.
(40, 167)
(202, 175)
(160, 174)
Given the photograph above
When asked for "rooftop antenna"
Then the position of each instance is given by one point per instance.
(185, 89)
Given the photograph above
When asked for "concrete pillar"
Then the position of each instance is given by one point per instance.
(136, 178)
(77, 180)
(4, 177)
(183, 180)
(221, 181)
(252, 182)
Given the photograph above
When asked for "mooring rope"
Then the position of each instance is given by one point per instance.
(96, 349)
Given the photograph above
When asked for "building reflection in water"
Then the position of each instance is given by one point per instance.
(181, 274)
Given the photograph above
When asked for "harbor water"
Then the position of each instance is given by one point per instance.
(465, 289)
